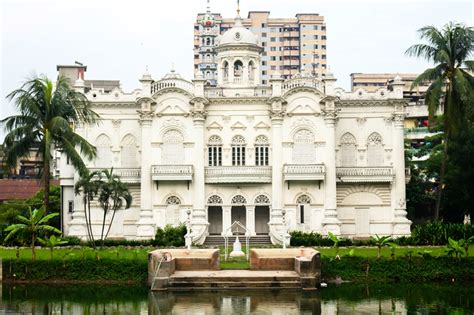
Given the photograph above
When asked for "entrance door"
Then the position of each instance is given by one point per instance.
(262, 217)
(362, 223)
(239, 214)
(215, 220)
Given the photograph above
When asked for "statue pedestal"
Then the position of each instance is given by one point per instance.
(237, 249)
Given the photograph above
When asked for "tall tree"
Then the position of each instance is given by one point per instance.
(113, 195)
(46, 116)
(450, 82)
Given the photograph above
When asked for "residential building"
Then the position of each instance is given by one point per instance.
(297, 154)
(291, 46)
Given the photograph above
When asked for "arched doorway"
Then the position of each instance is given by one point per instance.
(238, 210)
(214, 215)
(262, 214)
(172, 210)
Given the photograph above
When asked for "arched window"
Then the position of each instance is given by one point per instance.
(251, 71)
(238, 68)
(374, 150)
(303, 147)
(128, 152)
(348, 150)
(261, 151)
(262, 200)
(173, 200)
(225, 66)
(302, 202)
(214, 200)
(173, 148)
(238, 200)
(104, 151)
(238, 150)
(214, 150)
(208, 41)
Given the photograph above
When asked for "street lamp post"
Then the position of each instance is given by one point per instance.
(187, 237)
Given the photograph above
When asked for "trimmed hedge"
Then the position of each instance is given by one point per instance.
(88, 269)
(415, 269)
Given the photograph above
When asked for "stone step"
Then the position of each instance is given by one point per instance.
(254, 240)
(234, 279)
(234, 284)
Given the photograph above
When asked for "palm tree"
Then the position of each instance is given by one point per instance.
(88, 184)
(46, 116)
(34, 224)
(113, 195)
(450, 83)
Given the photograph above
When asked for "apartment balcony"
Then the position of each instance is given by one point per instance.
(131, 175)
(207, 65)
(364, 174)
(172, 172)
(303, 172)
(238, 174)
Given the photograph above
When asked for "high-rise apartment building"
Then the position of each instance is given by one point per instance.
(291, 46)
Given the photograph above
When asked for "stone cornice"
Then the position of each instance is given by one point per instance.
(239, 100)
(370, 103)
(172, 90)
(199, 99)
(303, 89)
(115, 105)
(242, 47)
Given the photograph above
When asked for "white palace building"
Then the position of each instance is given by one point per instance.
(327, 159)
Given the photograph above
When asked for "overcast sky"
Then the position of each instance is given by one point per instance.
(118, 39)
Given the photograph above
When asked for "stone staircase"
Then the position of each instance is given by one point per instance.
(217, 240)
(233, 279)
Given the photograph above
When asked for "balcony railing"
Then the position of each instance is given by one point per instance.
(172, 83)
(172, 172)
(303, 172)
(238, 174)
(301, 82)
(126, 174)
(364, 174)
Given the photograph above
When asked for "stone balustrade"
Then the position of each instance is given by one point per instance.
(364, 174)
(172, 172)
(238, 174)
(303, 172)
(172, 83)
(126, 174)
(301, 82)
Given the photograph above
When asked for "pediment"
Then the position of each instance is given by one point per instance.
(261, 125)
(172, 109)
(214, 125)
(238, 125)
(303, 109)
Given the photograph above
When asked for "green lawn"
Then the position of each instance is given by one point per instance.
(231, 263)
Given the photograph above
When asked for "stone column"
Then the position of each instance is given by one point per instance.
(250, 219)
(401, 225)
(146, 224)
(199, 222)
(330, 222)
(226, 219)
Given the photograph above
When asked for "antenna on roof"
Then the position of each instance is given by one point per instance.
(238, 7)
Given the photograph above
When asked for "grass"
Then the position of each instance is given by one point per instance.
(232, 263)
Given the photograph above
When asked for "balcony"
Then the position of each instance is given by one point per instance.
(238, 174)
(127, 174)
(172, 172)
(364, 174)
(418, 133)
(303, 172)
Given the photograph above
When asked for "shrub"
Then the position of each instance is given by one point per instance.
(438, 233)
(299, 238)
(170, 236)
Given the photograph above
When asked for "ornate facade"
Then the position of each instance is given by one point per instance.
(333, 160)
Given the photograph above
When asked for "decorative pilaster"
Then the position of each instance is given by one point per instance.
(146, 225)
(226, 219)
(401, 225)
(198, 221)
(277, 114)
(330, 222)
(77, 226)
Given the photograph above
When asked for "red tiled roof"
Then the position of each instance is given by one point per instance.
(20, 188)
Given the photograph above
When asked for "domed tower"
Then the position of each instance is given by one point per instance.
(238, 57)
(207, 37)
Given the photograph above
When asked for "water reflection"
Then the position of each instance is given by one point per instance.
(345, 299)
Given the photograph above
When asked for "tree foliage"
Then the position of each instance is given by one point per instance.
(46, 117)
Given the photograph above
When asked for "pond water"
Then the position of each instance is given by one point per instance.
(343, 299)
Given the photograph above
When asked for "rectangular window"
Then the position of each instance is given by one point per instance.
(323, 37)
(273, 48)
(70, 206)
(323, 46)
(323, 57)
(264, 34)
(273, 39)
(323, 28)
(215, 155)
(264, 63)
(238, 155)
(301, 213)
(315, 27)
(273, 58)
(315, 36)
(264, 72)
